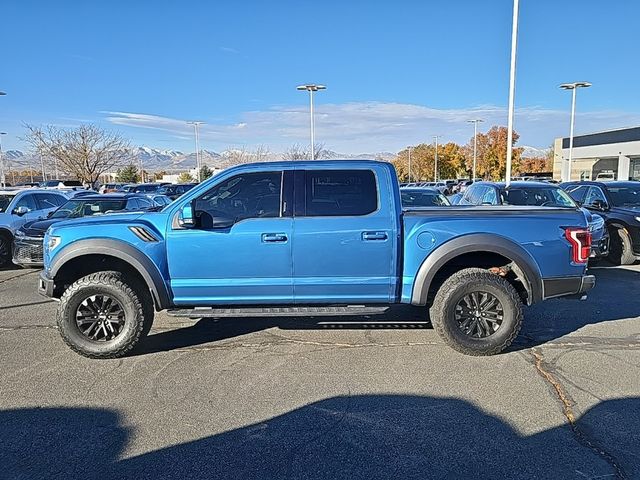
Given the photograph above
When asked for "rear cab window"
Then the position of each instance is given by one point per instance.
(339, 193)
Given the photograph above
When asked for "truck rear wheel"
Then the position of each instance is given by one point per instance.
(477, 312)
(104, 315)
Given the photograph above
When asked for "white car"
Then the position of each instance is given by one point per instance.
(19, 206)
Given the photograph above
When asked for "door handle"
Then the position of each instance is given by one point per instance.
(274, 237)
(374, 235)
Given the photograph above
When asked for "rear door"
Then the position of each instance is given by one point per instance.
(344, 248)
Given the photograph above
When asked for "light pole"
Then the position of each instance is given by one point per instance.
(311, 88)
(574, 87)
(196, 130)
(512, 89)
(2, 178)
(435, 165)
(475, 144)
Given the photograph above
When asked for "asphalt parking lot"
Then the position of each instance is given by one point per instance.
(326, 398)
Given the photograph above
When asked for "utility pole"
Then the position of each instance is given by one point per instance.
(512, 89)
(409, 147)
(312, 88)
(475, 144)
(3, 181)
(196, 131)
(574, 88)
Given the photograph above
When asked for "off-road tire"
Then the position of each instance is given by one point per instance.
(5, 249)
(464, 282)
(136, 303)
(621, 251)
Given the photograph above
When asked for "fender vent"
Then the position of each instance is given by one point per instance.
(143, 234)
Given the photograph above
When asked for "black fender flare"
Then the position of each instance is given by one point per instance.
(123, 251)
(526, 266)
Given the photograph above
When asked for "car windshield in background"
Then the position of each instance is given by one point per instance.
(5, 200)
(416, 198)
(84, 208)
(625, 196)
(537, 197)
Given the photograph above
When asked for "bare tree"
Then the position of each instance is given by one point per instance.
(237, 156)
(299, 152)
(261, 153)
(85, 152)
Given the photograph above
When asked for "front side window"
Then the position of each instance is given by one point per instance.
(339, 193)
(248, 195)
(490, 197)
(27, 201)
(595, 195)
(578, 193)
(49, 200)
(5, 200)
(415, 198)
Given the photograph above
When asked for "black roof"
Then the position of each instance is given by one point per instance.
(615, 183)
(520, 184)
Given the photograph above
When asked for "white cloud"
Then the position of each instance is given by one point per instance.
(377, 126)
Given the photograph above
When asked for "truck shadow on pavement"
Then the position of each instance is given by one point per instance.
(354, 437)
(612, 299)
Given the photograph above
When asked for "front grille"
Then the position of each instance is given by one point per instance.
(28, 252)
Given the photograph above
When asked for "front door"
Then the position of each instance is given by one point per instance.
(345, 243)
(248, 262)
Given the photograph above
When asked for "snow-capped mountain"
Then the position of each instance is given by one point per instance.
(533, 152)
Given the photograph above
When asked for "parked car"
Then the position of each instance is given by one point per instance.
(19, 206)
(159, 200)
(174, 191)
(340, 237)
(422, 197)
(618, 202)
(27, 245)
(110, 187)
(146, 187)
(538, 194)
(70, 184)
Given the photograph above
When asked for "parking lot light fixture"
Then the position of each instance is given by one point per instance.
(311, 87)
(196, 130)
(435, 165)
(566, 176)
(409, 148)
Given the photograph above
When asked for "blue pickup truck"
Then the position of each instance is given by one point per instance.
(310, 238)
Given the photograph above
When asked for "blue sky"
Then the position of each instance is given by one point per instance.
(397, 72)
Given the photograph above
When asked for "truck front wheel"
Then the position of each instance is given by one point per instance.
(104, 315)
(477, 312)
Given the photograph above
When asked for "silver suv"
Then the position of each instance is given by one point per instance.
(20, 206)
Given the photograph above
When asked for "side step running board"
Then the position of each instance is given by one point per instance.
(218, 312)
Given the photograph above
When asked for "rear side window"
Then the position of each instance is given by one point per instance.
(340, 193)
(579, 193)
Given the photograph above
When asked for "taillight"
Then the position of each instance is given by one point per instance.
(580, 240)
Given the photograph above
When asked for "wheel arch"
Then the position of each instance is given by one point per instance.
(88, 256)
(472, 246)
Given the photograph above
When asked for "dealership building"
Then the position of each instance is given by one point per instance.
(600, 155)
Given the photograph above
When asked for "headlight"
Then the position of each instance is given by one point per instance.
(637, 219)
(19, 234)
(52, 243)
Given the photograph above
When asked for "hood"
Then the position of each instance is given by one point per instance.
(38, 227)
(97, 220)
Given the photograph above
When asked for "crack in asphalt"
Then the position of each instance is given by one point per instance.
(4, 280)
(545, 371)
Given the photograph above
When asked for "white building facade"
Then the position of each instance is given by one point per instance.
(600, 155)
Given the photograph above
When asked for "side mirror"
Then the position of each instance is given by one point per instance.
(185, 217)
(22, 210)
(600, 205)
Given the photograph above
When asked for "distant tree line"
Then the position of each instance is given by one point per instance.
(455, 161)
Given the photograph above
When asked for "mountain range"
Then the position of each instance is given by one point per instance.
(154, 159)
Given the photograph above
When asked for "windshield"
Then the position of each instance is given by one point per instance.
(5, 200)
(86, 208)
(537, 197)
(625, 196)
(423, 199)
